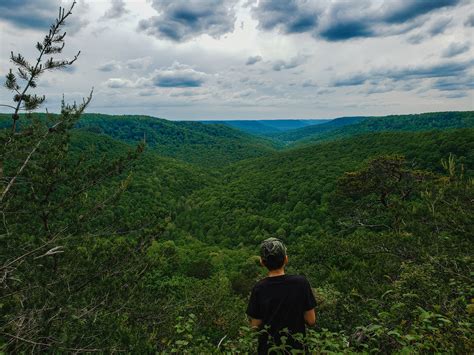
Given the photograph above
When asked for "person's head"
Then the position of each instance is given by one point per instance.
(273, 254)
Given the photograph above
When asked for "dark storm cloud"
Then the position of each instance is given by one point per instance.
(346, 30)
(440, 70)
(39, 14)
(455, 49)
(181, 20)
(253, 60)
(402, 11)
(292, 16)
(338, 21)
(116, 10)
(36, 14)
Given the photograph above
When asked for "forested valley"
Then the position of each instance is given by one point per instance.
(110, 246)
(139, 234)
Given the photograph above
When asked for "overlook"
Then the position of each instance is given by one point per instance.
(224, 150)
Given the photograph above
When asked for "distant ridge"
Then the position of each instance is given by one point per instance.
(350, 126)
(309, 131)
(190, 141)
(266, 127)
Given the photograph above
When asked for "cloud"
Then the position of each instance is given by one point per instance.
(402, 11)
(253, 60)
(119, 83)
(138, 63)
(244, 93)
(182, 20)
(178, 76)
(343, 20)
(416, 38)
(38, 14)
(79, 19)
(454, 84)
(132, 64)
(185, 93)
(428, 71)
(290, 64)
(469, 21)
(439, 70)
(110, 66)
(291, 16)
(309, 84)
(456, 95)
(436, 28)
(439, 26)
(116, 10)
(455, 49)
(355, 79)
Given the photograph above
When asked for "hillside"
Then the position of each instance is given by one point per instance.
(134, 234)
(172, 246)
(268, 127)
(287, 193)
(350, 126)
(295, 135)
(158, 185)
(192, 142)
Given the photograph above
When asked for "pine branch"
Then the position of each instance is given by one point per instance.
(75, 110)
(30, 73)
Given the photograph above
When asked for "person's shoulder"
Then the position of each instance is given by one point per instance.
(260, 284)
(297, 279)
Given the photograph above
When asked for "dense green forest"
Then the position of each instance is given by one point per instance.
(160, 255)
(138, 234)
(207, 145)
(349, 126)
(268, 127)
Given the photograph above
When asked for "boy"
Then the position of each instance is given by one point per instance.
(280, 301)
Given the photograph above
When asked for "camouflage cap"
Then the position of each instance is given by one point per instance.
(272, 247)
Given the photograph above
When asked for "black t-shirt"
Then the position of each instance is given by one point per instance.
(280, 302)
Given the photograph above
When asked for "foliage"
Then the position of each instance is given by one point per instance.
(53, 43)
(351, 126)
(267, 127)
(110, 248)
(193, 142)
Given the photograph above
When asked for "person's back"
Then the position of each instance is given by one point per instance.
(280, 301)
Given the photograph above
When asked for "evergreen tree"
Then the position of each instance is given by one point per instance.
(54, 274)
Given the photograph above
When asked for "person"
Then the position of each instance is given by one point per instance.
(280, 302)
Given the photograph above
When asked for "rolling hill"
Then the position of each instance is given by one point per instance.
(192, 142)
(268, 127)
(286, 193)
(350, 126)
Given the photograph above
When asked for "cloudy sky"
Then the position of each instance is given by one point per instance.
(244, 59)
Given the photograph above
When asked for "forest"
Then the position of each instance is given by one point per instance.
(140, 234)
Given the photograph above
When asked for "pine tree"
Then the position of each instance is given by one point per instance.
(52, 44)
(50, 277)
